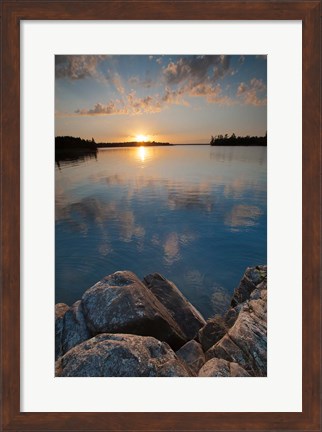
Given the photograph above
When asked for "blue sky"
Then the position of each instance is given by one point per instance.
(177, 98)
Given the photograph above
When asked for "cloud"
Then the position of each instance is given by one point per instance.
(130, 104)
(185, 78)
(253, 93)
(174, 97)
(77, 67)
(204, 90)
(182, 79)
(115, 79)
(212, 93)
(147, 104)
(196, 69)
(196, 76)
(258, 84)
(99, 109)
(136, 81)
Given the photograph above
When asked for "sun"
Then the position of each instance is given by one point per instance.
(141, 138)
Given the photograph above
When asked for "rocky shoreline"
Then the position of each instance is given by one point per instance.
(125, 327)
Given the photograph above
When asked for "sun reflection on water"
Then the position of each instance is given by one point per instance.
(142, 153)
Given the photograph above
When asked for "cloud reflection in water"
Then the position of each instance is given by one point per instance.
(198, 215)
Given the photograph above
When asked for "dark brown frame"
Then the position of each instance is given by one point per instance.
(308, 11)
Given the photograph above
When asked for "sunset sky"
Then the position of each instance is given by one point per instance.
(177, 99)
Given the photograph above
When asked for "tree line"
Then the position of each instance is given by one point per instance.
(63, 143)
(69, 142)
(233, 140)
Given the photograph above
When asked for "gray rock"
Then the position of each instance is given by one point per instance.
(182, 311)
(60, 310)
(121, 355)
(212, 332)
(246, 342)
(121, 303)
(192, 354)
(253, 276)
(75, 329)
(221, 368)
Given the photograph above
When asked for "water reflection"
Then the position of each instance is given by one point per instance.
(142, 151)
(195, 214)
(242, 216)
(74, 156)
(171, 248)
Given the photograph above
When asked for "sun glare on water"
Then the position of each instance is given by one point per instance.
(142, 153)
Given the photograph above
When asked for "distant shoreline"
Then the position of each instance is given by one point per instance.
(117, 145)
(63, 143)
(68, 144)
(132, 144)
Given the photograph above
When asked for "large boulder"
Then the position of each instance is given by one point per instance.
(246, 341)
(60, 310)
(253, 276)
(192, 354)
(121, 303)
(182, 311)
(121, 355)
(221, 368)
(75, 329)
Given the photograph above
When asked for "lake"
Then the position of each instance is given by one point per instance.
(195, 214)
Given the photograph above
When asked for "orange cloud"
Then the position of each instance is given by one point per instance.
(253, 93)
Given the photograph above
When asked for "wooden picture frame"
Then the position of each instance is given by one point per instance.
(11, 14)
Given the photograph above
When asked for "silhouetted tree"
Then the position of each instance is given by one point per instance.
(233, 140)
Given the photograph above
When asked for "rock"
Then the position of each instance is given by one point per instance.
(246, 341)
(232, 314)
(253, 282)
(121, 355)
(221, 368)
(75, 329)
(128, 316)
(121, 303)
(220, 300)
(212, 332)
(181, 310)
(60, 310)
(192, 354)
(260, 292)
(253, 276)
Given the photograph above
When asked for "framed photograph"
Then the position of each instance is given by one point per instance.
(160, 208)
(131, 195)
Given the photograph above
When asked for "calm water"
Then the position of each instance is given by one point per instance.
(197, 215)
